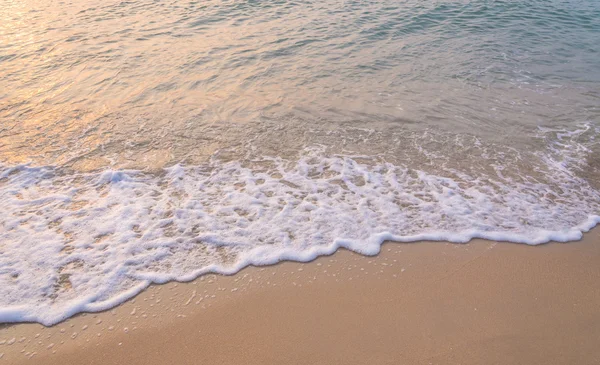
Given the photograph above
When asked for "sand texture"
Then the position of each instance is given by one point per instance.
(420, 303)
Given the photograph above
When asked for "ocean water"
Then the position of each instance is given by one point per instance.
(145, 141)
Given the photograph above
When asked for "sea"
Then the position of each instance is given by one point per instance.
(147, 141)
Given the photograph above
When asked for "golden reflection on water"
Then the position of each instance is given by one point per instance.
(78, 89)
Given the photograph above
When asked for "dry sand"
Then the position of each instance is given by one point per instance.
(420, 303)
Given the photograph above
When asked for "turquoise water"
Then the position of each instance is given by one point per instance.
(147, 141)
(496, 69)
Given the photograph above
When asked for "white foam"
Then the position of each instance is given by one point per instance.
(74, 242)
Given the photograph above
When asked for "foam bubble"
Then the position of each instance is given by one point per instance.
(84, 242)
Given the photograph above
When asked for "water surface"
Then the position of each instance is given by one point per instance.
(146, 141)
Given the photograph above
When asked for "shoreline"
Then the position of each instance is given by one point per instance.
(370, 247)
(422, 302)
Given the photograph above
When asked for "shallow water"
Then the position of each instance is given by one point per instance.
(150, 141)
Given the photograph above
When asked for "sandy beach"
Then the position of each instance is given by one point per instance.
(422, 303)
(161, 160)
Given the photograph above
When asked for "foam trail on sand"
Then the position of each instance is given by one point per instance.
(73, 242)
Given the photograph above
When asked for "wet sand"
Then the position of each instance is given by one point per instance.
(419, 303)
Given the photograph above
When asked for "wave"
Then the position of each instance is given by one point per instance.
(84, 242)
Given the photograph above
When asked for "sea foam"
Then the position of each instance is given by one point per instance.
(84, 242)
